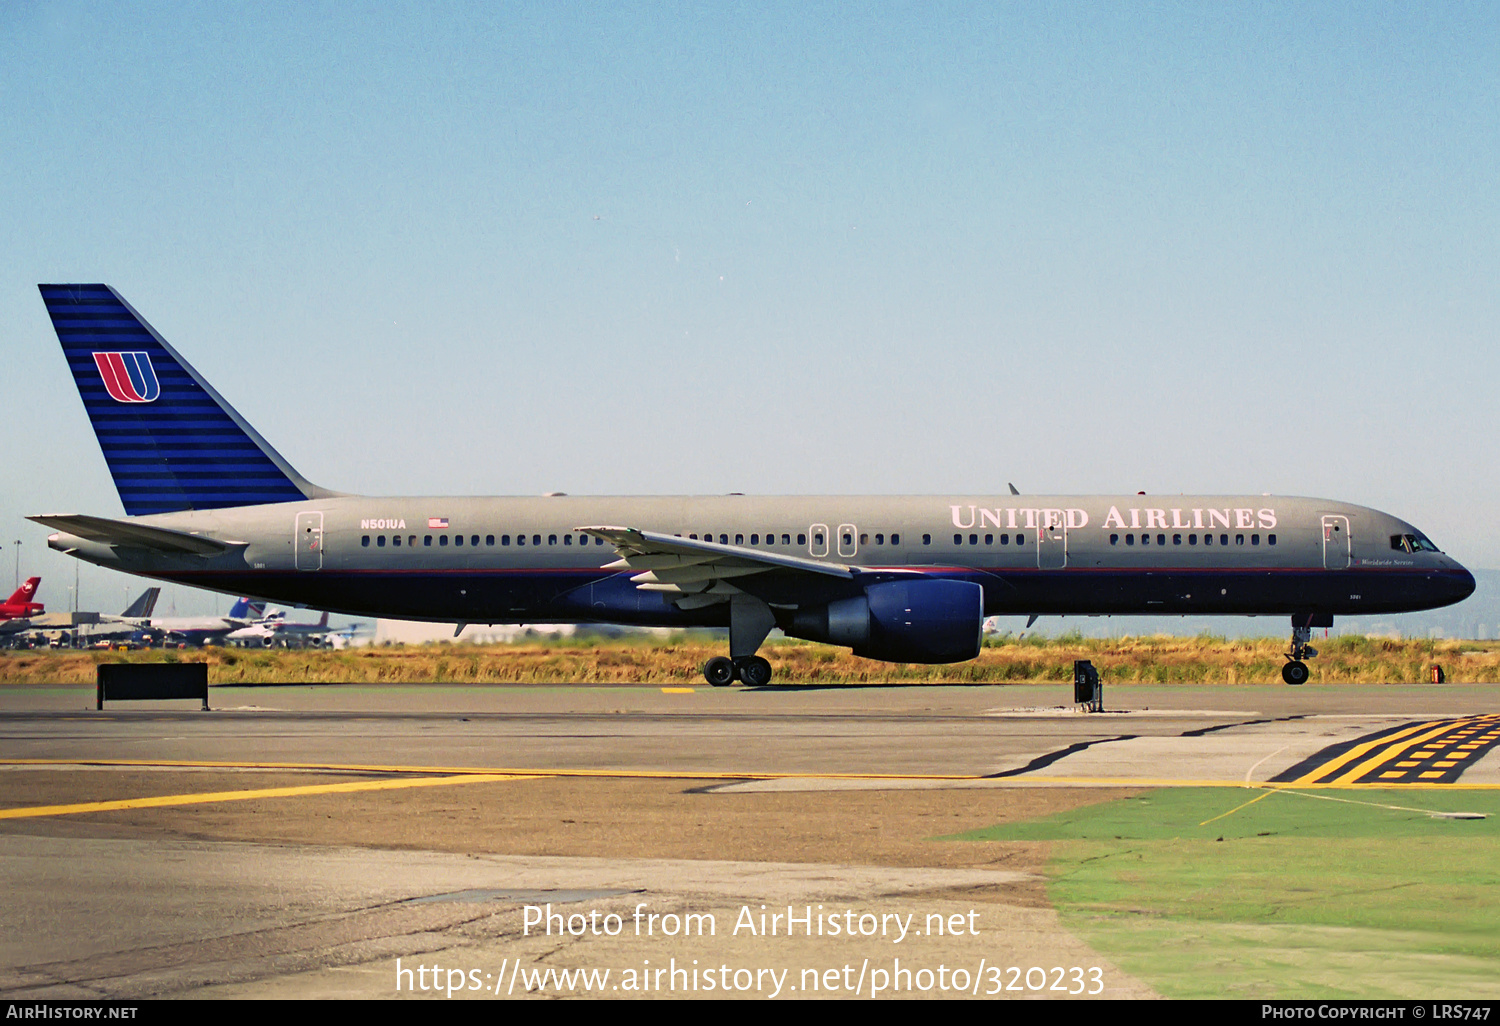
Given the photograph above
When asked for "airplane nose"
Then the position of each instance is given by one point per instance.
(1458, 584)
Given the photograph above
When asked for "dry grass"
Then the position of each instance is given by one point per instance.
(1006, 660)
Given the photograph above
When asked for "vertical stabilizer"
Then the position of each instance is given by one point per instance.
(171, 442)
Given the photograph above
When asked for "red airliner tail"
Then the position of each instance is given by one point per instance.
(24, 592)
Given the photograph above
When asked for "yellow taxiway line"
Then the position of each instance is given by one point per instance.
(485, 770)
(455, 773)
(162, 801)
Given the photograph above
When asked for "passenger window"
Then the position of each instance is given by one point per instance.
(818, 539)
(505, 539)
(1005, 539)
(536, 539)
(694, 537)
(801, 539)
(1130, 539)
(755, 539)
(1020, 539)
(1161, 539)
(1192, 539)
(380, 541)
(958, 539)
(1114, 539)
(989, 539)
(442, 540)
(739, 539)
(926, 539)
(1223, 539)
(396, 540)
(1255, 539)
(520, 539)
(723, 539)
(880, 539)
(786, 539)
(567, 539)
(458, 539)
(973, 539)
(848, 539)
(474, 540)
(489, 539)
(551, 539)
(426, 540)
(1208, 539)
(1270, 539)
(1176, 539)
(895, 539)
(864, 539)
(365, 541)
(1239, 539)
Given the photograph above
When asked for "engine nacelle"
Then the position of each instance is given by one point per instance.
(923, 620)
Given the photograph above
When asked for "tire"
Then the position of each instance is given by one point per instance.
(1294, 673)
(719, 672)
(755, 672)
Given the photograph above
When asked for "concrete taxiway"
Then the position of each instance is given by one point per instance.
(298, 841)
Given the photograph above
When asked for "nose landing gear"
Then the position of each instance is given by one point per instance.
(1295, 671)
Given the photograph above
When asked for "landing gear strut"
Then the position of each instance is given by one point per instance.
(1295, 671)
(750, 620)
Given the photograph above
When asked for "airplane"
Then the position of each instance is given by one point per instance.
(19, 606)
(274, 629)
(210, 503)
(132, 625)
(203, 630)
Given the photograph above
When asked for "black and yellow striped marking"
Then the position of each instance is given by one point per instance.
(1432, 752)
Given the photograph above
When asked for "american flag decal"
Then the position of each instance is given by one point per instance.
(437, 521)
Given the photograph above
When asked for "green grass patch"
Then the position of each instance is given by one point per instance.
(1290, 896)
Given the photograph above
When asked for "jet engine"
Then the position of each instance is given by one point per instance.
(917, 621)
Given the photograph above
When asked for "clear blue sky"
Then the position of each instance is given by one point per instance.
(885, 248)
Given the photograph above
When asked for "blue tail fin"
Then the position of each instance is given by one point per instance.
(170, 441)
(244, 609)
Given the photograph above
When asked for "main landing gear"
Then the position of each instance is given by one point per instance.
(1295, 671)
(750, 620)
(753, 671)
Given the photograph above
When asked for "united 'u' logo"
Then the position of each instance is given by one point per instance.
(129, 377)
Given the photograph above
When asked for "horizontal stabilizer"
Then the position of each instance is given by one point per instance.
(135, 536)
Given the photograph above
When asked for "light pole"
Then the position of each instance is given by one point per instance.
(17, 544)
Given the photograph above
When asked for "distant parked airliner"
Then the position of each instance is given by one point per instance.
(901, 578)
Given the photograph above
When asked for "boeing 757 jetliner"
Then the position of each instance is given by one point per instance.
(906, 579)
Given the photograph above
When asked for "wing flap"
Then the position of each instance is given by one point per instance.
(693, 573)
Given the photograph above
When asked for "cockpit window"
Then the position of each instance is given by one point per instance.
(1413, 543)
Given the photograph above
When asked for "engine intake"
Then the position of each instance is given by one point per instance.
(917, 621)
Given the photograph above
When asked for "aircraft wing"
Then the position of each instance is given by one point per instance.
(135, 536)
(694, 573)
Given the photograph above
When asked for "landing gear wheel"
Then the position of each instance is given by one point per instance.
(1294, 672)
(755, 672)
(719, 671)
